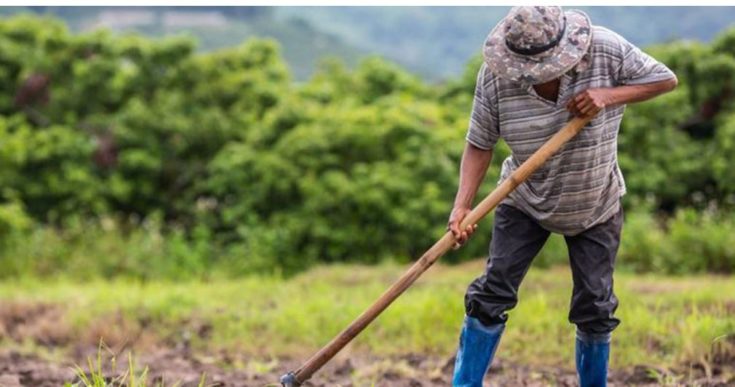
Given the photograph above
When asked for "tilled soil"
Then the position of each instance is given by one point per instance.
(182, 367)
(176, 363)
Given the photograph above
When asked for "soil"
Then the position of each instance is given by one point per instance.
(173, 362)
(179, 366)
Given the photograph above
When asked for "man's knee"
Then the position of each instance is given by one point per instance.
(515, 242)
(595, 317)
(488, 298)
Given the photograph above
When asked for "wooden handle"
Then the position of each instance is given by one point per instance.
(440, 248)
(526, 169)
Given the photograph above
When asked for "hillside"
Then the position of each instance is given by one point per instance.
(303, 45)
(435, 42)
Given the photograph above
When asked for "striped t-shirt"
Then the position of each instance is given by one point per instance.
(581, 185)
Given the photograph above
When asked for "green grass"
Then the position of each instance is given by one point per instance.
(95, 377)
(97, 373)
(666, 320)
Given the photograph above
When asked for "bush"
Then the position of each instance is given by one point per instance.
(217, 160)
(13, 221)
(689, 242)
(83, 249)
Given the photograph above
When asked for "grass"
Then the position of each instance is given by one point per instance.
(97, 373)
(665, 320)
(95, 377)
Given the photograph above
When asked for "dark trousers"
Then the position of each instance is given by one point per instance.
(517, 239)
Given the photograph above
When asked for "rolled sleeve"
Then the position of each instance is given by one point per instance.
(483, 127)
(637, 67)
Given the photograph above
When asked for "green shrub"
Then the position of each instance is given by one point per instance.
(704, 241)
(13, 221)
(689, 242)
(644, 244)
(217, 161)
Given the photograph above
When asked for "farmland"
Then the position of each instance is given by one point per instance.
(253, 329)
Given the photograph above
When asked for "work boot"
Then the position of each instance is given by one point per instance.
(593, 352)
(477, 345)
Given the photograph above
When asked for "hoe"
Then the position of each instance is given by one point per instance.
(296, 378)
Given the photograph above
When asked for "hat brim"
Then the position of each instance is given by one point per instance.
(544, 67)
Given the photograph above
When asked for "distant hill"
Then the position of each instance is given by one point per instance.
(302, 45)
(435, 42)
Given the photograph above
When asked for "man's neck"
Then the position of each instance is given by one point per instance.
(548, 90)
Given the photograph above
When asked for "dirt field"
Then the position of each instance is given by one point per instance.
(171, 366)
(43, 335)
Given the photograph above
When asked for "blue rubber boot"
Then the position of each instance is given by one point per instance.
(477, 345)
(593, 352)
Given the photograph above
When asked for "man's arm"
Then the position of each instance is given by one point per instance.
(475, 162)
(589, 100)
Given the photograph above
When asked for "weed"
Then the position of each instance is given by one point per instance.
(130, 376)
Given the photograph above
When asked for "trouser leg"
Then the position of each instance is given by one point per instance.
(592, 258)
(515, 242)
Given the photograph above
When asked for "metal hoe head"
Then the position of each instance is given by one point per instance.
(289, 380)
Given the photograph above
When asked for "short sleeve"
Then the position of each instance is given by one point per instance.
(637, 67)
(483, 127)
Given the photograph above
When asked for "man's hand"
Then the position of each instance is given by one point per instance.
(474, 165)
(455, 219)
(590, 101)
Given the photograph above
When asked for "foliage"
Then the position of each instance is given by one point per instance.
(123, 155)
(691, 242)
(13, 219)
(688, 242)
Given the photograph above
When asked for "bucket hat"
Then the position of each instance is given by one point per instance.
(537, 44)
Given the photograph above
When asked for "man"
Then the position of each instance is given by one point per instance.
(542, 66)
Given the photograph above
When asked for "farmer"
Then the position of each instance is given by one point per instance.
(543, 65)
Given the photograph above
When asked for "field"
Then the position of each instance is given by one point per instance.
(249, 331)
(171, 216)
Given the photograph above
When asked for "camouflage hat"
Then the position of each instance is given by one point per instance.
(537, 44)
